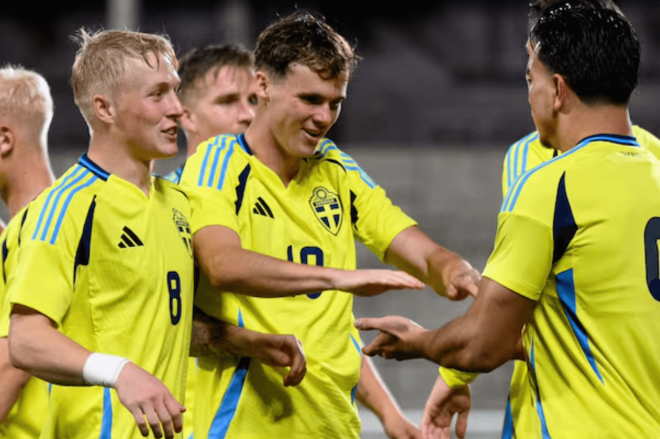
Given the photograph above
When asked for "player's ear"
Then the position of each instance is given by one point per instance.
(7, 140)
(561, 94)
(264, 85)
(187, 120)
(103, 108)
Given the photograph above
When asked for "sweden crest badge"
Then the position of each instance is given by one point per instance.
(327, 208)
(183, 227)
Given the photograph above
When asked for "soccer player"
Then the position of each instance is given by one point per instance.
(26, 110)
(576, 255)
(276, 213)
(217, 93)
(106, 255)
(218, 96)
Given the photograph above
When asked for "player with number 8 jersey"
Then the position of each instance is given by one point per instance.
(98, 243)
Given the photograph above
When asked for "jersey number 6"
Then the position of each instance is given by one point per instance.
(305, 253)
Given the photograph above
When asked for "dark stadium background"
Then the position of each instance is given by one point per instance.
(435, 103)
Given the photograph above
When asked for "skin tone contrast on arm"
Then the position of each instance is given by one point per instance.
(485, 337)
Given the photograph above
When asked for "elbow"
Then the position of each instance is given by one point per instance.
(17, 349)
(483, 359)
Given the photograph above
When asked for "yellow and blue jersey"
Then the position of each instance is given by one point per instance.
(522, 156)
(316, 219)
(115, 273)
(175, 177)
(579, 235)
(26, 418)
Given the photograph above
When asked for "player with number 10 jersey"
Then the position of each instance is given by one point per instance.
(315, 220)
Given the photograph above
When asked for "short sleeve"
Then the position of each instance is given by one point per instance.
(522, 258)
(212, 184)
(376, 221)
(44, 277)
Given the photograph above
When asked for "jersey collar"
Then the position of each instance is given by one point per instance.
(243, 143)
(612, 138)
(86, 162)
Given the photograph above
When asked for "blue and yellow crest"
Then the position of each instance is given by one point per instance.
(328, 209)
(183, 227)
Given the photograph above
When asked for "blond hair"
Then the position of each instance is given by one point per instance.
(100, 62)
(25, 95)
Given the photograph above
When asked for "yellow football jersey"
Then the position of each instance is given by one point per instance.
(315, 220)
(523, 155)
(115, 272)
(26, 418)
(175, 177)
(579, 235)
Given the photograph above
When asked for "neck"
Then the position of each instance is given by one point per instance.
(28, 177)
(589, 121)
(268, 151)
(117, 158)
(193, 140)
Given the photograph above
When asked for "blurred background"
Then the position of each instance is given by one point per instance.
(436, 101)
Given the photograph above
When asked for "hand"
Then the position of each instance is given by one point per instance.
(460, 280)
(395, 339)
(145, 395)
(398, 427)
(440, 408)
(278, 351)
(368, 283)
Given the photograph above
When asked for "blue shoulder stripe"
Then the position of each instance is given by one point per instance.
(55, 204)
(531, 139)
(214, 166)
(225, 164)
(205, 162)
(512, 196)
(73, 173)
(66, 206)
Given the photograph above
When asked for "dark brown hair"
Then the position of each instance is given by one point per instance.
(304, 39)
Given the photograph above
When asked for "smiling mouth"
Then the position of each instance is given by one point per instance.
(314, 134)
(171, 131)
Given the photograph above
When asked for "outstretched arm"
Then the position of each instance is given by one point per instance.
(443, 270)
(230, 267)
(481, 340)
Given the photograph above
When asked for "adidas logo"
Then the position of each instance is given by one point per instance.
(261, 208)
(129, 239)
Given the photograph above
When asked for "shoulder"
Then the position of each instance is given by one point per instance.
(647, 140)
(169, 189)
(214, 160)
(329, 156)
(65, 203)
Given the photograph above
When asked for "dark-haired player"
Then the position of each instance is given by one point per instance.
(276, 212)
(576, 255)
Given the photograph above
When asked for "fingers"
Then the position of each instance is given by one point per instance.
(165, 419)
(175, 409)
(152, 418)
(298, 365)
(368, 324)
(139, 420)
(402, 280)
(461, 424)
(378, 345)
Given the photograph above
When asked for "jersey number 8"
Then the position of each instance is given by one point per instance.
(174, 287)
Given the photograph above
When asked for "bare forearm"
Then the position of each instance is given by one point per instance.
(236, 271)
(39, 349)
(373, 393)
(212, 337)
(12, 381)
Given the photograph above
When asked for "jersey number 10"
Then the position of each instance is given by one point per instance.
(305, 253)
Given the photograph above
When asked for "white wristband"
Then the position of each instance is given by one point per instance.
(103, 370)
